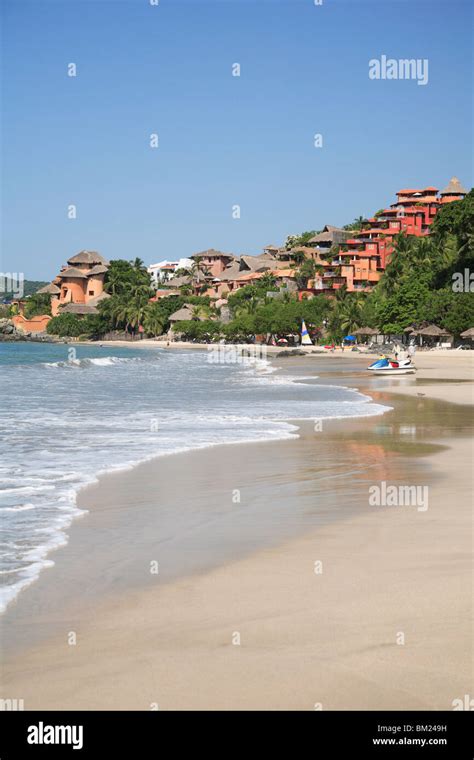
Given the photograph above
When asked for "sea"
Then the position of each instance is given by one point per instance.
(70, 413)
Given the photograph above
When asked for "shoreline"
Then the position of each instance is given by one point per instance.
(51, 656)
(96, 481)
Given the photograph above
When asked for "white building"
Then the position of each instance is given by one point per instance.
(164, 270)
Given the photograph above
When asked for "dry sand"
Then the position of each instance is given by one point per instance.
(387, 624)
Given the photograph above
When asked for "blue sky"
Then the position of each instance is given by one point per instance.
(223, 140)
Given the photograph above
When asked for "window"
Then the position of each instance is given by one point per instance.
(91, 292)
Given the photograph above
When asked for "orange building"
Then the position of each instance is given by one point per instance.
(361, 260)
(212, 261)
(79, 286)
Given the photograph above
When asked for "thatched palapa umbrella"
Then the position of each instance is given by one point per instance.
(432, 331)
(365, 331)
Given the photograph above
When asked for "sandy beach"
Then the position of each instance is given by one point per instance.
(325, 602)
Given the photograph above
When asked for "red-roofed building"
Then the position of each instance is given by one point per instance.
(362, 259)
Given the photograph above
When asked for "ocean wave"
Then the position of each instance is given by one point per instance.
(66, 432)
(18, 508)
(99, 361)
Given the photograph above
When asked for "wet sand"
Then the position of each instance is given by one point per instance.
(385, 625)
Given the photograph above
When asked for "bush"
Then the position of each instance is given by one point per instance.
(74, 326)
(191, 329)
(66, 325)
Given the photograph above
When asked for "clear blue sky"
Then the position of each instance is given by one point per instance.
(223, 140)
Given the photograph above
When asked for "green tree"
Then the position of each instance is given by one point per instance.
(406, 305)
(37, 304)
(153, 320)
(460, 314)
(306, 272)
(298, 257)
(294, 240)
(67, 325)
(358, 224)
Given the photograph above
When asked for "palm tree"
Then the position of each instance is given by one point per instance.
(136, 311)
(201, 310)
(350, 314)
(120, 314)
(139, 265)
(401, 257)
(298, 257)
(247, 308)
(129, 313)
(341, 294)
(197, 269)
(450, 250)
(139, 290)
(153, 320)
(358, 224)
(422, 253)
(113, 281)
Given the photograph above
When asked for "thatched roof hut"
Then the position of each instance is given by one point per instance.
(50, 290)
(97, 299)
(97, 269)
(79, 308)
(454, 188)
(183, 314)
(178, 282)
(331, 235)
(432, 331)
(211, 253)
(365, 331)
(73, 273)
(87, 257)
(468, 333)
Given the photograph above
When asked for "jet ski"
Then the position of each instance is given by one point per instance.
(386, 366)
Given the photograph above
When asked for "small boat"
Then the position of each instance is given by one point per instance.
(386, 366)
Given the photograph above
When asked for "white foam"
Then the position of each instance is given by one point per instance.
(102, 361)
(100, 422)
